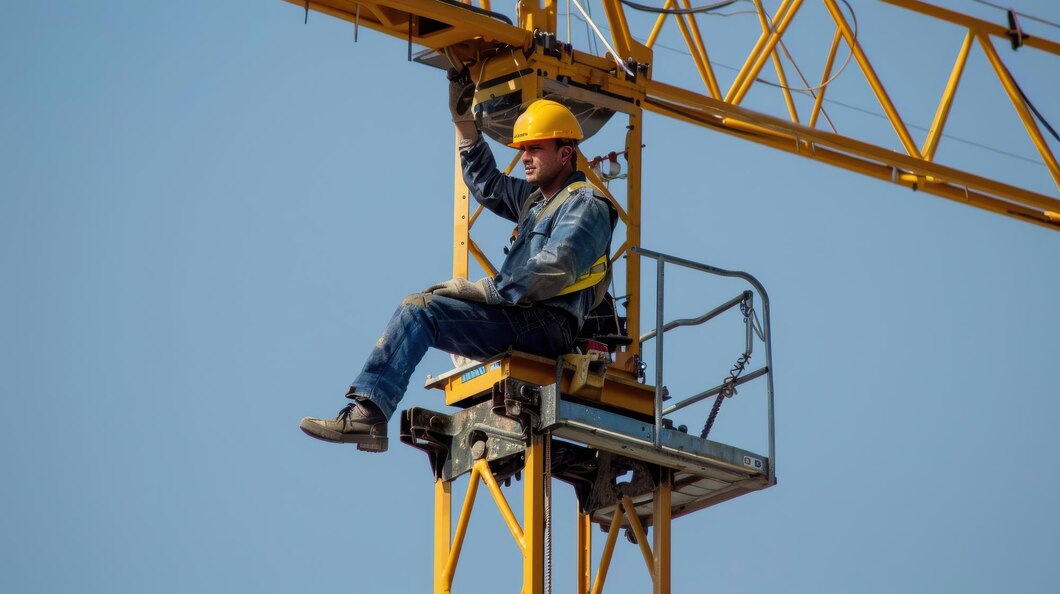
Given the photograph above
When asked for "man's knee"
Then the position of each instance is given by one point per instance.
(419, 300)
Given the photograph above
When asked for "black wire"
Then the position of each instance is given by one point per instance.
(1033, 108)
(697, 9)
(1022, 14)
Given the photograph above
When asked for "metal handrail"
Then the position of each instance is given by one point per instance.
(710, 315)
(661, 328)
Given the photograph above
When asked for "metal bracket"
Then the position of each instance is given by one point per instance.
(599, 477)
(517, 400)
(498, 430)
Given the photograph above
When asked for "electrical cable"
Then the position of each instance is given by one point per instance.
(614, 54)
(1027, 101)
(694, 10)
(1022, 14)
(853, 18)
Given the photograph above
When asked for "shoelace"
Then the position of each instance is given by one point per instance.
(344, 414)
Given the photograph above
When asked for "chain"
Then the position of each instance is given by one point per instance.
(548, 513)
(728, 386)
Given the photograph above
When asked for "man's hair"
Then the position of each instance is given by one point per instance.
(561, 142)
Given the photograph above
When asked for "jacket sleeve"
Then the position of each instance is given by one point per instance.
(501, 194)
(580, 232)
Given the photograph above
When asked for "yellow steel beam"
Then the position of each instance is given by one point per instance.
(480, 257)
(449, 567)
(690, 31)
(638, 531)
(874, 81)
(756, 50)
(973, 23)
(627, 359)
(534, 516)
(434, 23)
(585, 552)
(781, 77)
(852, 154)
(443, 519)
(393, 17)
(818, 101)
(943, 112)
(609, 549)
(461, 222)
(661, 533)
(1021, 107)
(657, 29)
(482, 468)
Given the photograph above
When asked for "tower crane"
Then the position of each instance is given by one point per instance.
(594, 420)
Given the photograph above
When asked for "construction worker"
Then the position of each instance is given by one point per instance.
(525, 306)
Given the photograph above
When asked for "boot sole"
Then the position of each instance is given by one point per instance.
(364, 443)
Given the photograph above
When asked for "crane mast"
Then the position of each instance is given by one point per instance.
(589, 422)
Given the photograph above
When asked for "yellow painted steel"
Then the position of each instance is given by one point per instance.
(627, 359)
(585, 552)
(657, 29)
(472, 33)
(1021, 108)
(873, 80)
(443, 519)
(851, 154)
(661, 534)
(482, 470)
(461, 223)
(480, 257)
(818, 101)
(943, 112)
(747, 75)
(534, 16)
(447, 555)
(753, 55)
(690, 31)
(985, 27)
(609, 549)
(638, 531)
(712, 81)
(534, 517)
(469, 385)
(781, 77)
(449, 569)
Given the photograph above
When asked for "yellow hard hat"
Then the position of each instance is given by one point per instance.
(543, 120)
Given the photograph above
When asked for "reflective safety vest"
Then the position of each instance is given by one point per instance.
(599, 271)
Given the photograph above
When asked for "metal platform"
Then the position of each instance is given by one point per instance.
(469, 384)
(604, 455)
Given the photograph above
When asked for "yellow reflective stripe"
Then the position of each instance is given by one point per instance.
(598, 270)
(589, 279)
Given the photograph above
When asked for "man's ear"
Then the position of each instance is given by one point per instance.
(566, 152)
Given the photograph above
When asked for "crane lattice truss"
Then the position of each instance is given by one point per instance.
(517, 417)
(438, 24)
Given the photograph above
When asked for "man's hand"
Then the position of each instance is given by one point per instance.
(461, 288)
(461, 94)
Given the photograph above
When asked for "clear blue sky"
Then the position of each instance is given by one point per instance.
(208, 210)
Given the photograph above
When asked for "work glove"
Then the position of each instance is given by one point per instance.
(461, 93)
(461, 288)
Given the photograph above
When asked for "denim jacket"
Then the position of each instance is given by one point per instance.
(548, 254)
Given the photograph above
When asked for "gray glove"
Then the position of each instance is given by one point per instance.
(461, 288)
(461, 94)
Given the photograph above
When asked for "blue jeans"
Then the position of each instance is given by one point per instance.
(474, 330)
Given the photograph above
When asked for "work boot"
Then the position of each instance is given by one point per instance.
(360, 422)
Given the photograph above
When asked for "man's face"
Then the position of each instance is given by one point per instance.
(543, 162)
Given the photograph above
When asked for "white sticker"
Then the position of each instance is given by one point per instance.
(753, 462)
